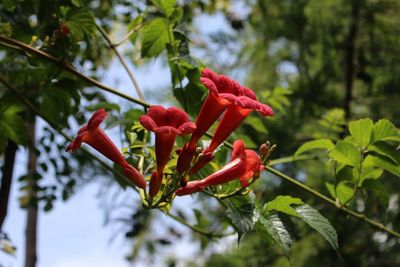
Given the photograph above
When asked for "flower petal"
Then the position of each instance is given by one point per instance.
(190, 188)
(96, 119)
(187, 128)
(238, 150)
(134, 175)
(148, 123)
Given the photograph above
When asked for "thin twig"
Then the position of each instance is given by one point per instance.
(123, 62)
(128, 35)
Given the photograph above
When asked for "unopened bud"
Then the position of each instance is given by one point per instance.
(264, 149)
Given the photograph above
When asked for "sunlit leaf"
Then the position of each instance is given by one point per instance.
(346, 153)
(344, 192)
(167, 6)
(361, 131)
(382, 162)
(384, 149)
(155, 37)
(283, 204)
(315, 144)
(384, 130)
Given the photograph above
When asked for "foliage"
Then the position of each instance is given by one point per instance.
(329, 69)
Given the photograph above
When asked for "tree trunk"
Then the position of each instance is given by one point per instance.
(6, 179)
(350, 54)
(32, 217)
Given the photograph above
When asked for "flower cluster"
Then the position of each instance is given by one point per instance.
(227, 102)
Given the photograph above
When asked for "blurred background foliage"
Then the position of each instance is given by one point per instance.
(319, 64)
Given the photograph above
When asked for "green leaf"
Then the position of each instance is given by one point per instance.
(368, 173)
(155, 37)
(190, 96)
(9, 4)
(315, 144)
(80, 22)
(273, 226)
(384, 130)
(56, 104)
(331, 189)
(12, 126)
(282, 204)
(361, 131)
(77, 3)
(166, 6)
(242, 213)
(6, 28)
(315, 220)
(257, 124)
(384, 149)
(383, 163)
(346, 153)
(344, 192)
(379, 190)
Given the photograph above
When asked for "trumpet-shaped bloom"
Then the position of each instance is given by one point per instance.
(166, 124)
(242, 101)
(214, 105)
(245, 165)
(224, 94)
(241, 107)
(94, 136)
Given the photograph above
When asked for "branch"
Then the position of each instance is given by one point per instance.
(123, 62)
(6, 179)
(14, 44)
(350, 53)
(355, 214)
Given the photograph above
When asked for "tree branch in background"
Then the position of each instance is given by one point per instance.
(350, 54)
(32, 210)
(6, 179)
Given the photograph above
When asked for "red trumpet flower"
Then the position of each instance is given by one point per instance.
(96, 138)
(215, 103)
(242, 101)
(166, 124)
(245, 165)
(241, 107)
(222, 93)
